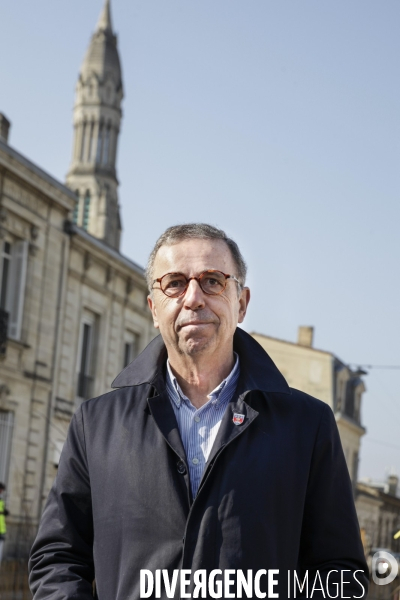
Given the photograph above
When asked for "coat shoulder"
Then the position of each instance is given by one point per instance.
(300, 403)
(119, 397)
(307, 400)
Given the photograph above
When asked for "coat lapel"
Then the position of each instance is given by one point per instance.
(164, 417)
(228, 430)
(163, 414)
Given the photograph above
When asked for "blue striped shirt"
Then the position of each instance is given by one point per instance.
(199, 426)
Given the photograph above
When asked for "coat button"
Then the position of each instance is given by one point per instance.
(181, 467)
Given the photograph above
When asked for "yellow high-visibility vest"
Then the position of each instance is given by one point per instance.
(3, 528)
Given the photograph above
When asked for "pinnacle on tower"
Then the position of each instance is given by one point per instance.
(104, 22)
(102, 55)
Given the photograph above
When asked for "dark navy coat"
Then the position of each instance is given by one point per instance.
(275, 493)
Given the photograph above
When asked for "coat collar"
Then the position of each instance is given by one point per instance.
(257, 369)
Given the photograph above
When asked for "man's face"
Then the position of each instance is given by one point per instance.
(197, 322)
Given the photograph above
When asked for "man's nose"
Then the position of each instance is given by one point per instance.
(194, 295)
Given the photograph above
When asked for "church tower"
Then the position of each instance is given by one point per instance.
(97, 118)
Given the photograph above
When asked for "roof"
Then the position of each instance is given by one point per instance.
(338, 362)
(13, 154)
(269, 337)
(74, 229)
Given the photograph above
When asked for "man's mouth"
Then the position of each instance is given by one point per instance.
(195, 323)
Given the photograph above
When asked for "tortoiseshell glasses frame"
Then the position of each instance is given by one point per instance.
(211, 281)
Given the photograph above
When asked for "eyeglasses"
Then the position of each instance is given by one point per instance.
(212, 282)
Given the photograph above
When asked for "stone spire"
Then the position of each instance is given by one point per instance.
(97, 118)
(104, 23)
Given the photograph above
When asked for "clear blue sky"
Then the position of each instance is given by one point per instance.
(278, 121)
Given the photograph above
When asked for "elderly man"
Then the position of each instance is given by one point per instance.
(204, 474)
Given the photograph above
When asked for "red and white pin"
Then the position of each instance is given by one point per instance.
(238, 418)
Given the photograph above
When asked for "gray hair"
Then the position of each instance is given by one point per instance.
(203, 231)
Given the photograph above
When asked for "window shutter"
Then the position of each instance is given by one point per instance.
(16, 292)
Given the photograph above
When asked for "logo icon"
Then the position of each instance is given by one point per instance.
(384, 567)
(237, 418)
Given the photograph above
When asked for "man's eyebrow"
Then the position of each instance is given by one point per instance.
(199, 272)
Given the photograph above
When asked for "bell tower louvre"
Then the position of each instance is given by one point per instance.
(97, 117)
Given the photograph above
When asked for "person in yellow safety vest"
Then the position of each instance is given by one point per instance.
(3, 514)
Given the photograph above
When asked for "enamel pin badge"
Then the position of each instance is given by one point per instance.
(237, 418)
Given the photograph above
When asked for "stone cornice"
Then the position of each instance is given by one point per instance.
(34, 176)
(105, 254)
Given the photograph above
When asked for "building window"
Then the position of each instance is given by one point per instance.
(99, 143)
(86, 210)
(131, 347)
(76, 209)
(83, 140)
(349, 403)
(91, 141)
(86, 363)
(5, 273)
(339, 395)
(57, 449)
(6, 428)
(354, 468)
(106, 145)
(13, 266)
(357, 403)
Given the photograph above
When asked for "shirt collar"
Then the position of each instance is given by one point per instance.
(178, 397)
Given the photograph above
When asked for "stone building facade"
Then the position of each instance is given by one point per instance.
(322, 375)
(73, 309)
(378, 509)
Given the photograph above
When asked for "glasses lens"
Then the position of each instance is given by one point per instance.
(173, 284)
(213, 282)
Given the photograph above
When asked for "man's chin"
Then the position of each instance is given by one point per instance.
(195, 345)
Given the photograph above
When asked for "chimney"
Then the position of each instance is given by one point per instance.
(393, 481)
(305, 336)
(4, 128)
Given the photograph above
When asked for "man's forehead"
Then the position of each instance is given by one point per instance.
(194, 254)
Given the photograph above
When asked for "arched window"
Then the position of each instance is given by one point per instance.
(349, 404)
(86, 209)
(106, 145)
(76, 209)
(83, 140)
(91, 141)
(99, 144)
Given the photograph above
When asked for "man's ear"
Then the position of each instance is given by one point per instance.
(153, 309)
(244, 300)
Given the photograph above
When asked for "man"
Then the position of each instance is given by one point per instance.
(3, 514)
(203, 463)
